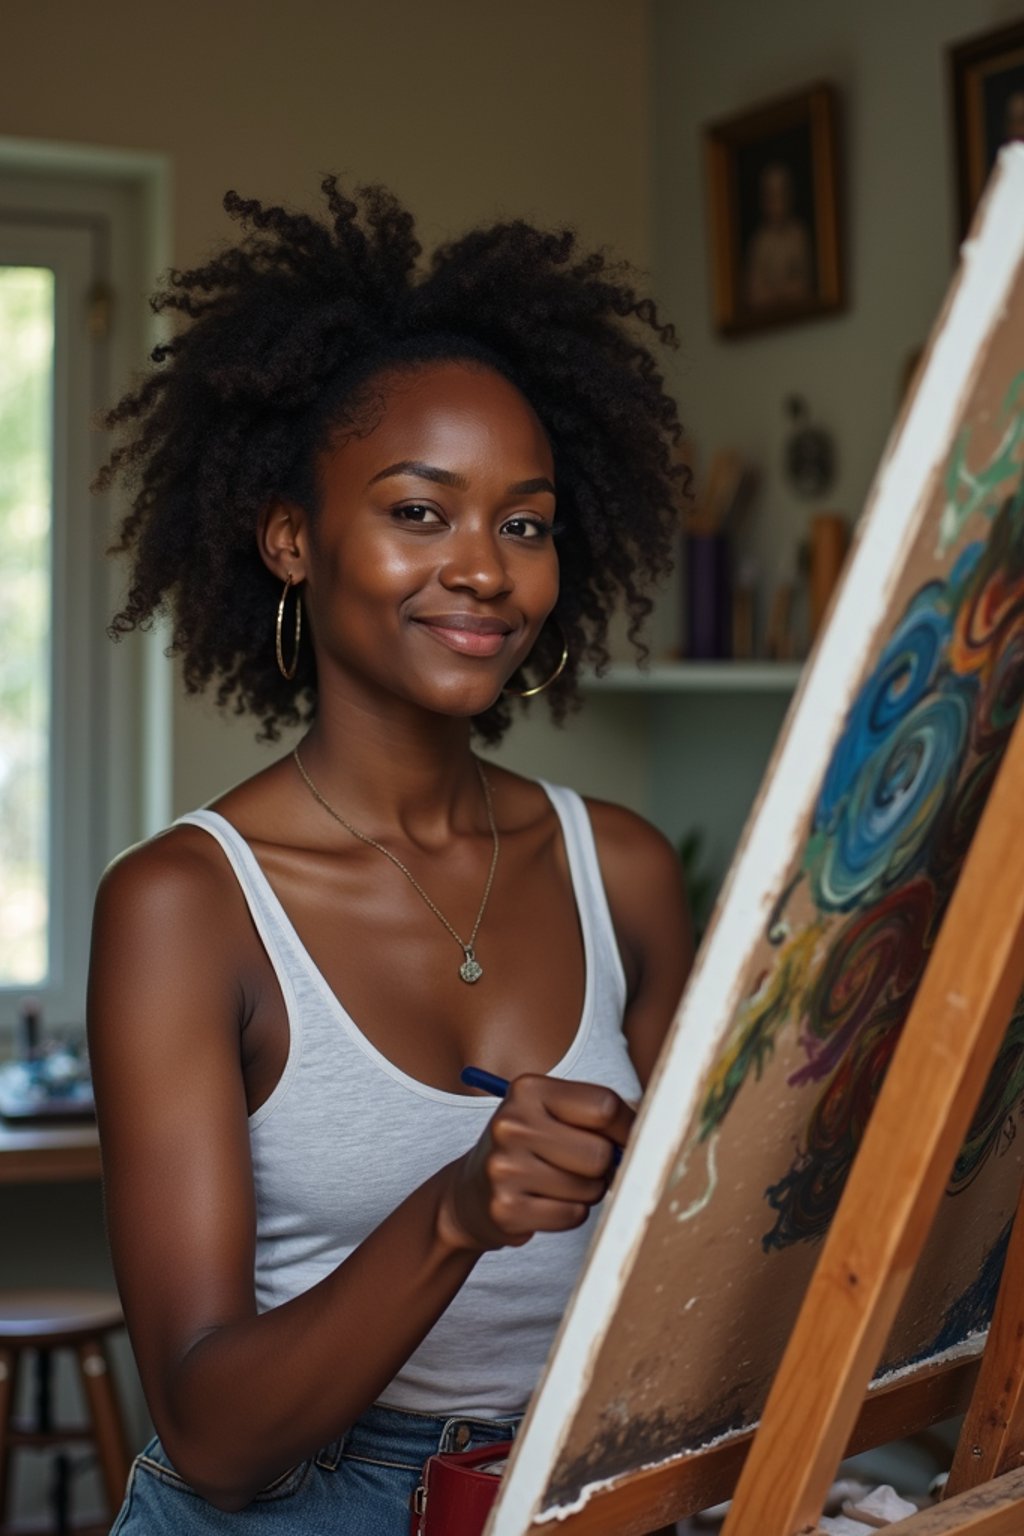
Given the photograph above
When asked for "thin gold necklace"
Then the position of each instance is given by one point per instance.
(470, 970)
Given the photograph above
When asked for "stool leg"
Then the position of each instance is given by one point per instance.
(60, 1494)
(106, 1420)
(42, 1419)
(8, 1397)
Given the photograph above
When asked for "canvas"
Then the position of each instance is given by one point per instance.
(820, 939)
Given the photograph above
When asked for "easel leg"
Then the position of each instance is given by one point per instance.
(992, 1438)
(949, 1043)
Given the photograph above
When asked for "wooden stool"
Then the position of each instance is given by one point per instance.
(43, 1321)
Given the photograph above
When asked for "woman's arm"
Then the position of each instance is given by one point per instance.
(239, 1397)
(643, 880)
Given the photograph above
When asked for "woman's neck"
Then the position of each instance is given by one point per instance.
(415, 776)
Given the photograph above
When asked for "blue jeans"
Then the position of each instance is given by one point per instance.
(359, 1485)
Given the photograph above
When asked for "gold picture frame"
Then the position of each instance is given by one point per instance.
(987, 82)
(772, 176)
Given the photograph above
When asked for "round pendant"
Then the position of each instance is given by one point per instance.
(471, 970)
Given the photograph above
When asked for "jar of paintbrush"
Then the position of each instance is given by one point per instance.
(708, 527)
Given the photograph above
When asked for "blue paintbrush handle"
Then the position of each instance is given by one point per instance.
(487, 1082)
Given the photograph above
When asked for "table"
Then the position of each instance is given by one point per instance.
(48, 1153)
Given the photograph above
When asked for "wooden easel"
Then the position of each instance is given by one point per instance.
(819, 1408)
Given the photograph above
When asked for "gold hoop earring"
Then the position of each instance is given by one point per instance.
(530, 693)
(288, 672)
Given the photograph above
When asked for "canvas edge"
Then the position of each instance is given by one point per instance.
(915, 454)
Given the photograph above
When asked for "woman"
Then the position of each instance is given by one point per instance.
(386, 506)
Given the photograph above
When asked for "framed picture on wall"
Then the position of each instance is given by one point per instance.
(988, 107)
(772, 178)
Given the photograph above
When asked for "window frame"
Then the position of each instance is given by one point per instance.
(111, 704)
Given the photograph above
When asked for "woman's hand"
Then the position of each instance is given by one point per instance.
(543, 1161)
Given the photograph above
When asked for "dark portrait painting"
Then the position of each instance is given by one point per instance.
(773, 199)
(988, 102)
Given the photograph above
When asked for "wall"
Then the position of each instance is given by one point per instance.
(468, 110)
(713, 58)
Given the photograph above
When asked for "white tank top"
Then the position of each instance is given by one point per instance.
(346, 1135)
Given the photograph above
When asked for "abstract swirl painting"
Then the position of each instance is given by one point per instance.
(815, 954)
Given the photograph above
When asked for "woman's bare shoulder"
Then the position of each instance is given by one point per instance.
(622, 833)
(178, 868)
(643, 879)
(184, 864)
(171, 948)
(628, 846)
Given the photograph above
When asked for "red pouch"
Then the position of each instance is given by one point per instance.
(455, 1496)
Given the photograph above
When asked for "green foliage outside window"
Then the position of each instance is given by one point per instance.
(26, 431)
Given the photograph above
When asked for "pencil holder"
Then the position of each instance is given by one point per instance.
(708, 597)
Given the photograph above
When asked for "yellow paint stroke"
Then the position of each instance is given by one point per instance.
(760, 1019)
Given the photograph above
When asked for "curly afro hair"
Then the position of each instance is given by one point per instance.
(281, 338)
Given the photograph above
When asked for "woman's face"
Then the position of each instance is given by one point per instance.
(431, 564)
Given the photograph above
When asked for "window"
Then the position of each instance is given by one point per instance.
(26, 526)
(70, 737)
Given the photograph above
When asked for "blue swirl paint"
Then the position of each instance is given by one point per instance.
(879, 834)
(906, 670)
(963, 570)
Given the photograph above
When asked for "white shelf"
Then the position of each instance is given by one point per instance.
(698, 677)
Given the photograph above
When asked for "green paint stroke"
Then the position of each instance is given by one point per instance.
(969, 491)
